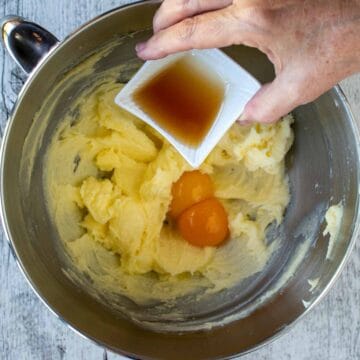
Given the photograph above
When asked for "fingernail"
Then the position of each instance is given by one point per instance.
(244, 120)
(140, 47)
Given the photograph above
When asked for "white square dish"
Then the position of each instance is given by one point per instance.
(240, 87)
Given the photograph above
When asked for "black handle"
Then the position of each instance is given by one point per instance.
(26, 42)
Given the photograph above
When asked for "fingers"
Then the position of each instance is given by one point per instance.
(271, 102)
(173, 11)
(209, 30)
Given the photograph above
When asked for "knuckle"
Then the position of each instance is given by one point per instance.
(187, 29)
(187, 5)
(298, 94)
(259, 17)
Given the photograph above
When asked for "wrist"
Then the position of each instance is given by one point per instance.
(340, 38)
(350, 30)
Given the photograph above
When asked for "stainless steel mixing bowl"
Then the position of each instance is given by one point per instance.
(323, 169)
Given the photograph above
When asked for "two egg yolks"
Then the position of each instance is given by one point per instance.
(201, 218)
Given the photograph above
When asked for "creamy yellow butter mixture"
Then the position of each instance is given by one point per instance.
(109, 179)
(333, 218)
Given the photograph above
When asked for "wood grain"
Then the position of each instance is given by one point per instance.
(28, 330)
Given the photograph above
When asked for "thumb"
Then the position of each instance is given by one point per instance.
(272, 101)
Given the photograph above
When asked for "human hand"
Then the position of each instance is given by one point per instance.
(312, 44)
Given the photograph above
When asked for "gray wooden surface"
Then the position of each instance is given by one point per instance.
(27, 328)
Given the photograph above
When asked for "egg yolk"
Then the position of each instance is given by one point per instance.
(204, 223)
(191, 188)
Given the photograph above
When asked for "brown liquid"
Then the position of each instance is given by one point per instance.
(184, 99)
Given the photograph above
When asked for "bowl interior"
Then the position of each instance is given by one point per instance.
(322, 167)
